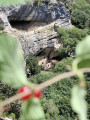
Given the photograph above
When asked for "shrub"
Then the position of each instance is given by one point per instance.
(79, 18)
(62, 34)
(6, 92)
(39, 78)
(32, 65)
(63, 65)
(61, 52)
(1, 27)
(79, 34)
(69, 39)
(56, 98)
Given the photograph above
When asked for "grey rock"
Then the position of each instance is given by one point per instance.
(46, 12)
(37, 40)
(4, 21)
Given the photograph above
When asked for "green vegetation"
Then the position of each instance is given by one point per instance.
(63, 66)
(1, 27)
(6, 92)
(80, 13)
(32, 65)
(69, 39)
(14, 2)
(56, 98)
(79, 18)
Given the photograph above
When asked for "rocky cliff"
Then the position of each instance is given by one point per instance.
(46, 12)
(42, 36)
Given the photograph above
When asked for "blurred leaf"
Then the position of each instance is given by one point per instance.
(11, 62)
(78, 102)
(13, 2)
(32, 110)
(82, 54)
(84, 63)
(83, 48)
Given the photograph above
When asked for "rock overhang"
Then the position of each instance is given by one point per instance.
(44, 37)
(44, 12)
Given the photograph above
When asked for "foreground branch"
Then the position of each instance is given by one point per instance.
(42, 86)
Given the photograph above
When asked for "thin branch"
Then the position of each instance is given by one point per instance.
(61, 77)
(42, 86)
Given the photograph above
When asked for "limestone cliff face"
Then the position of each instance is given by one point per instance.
(4, 20)
(37, 40)
(46, 12)
(42, 37)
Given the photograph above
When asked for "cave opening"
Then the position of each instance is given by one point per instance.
(21, 25)
(26, 25)
(50, 54)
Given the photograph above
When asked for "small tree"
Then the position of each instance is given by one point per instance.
(32, 65)
(69, 40)
(79, 18)
(63, 65)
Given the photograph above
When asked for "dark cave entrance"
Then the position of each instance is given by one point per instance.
(26, 25)
(50, 53)
(21, 25)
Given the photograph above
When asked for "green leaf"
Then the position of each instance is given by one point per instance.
(84, 63)
(11, 62)
(78, 102)
(83, 53)
(13, 2)
(32, 110)
(83, 48)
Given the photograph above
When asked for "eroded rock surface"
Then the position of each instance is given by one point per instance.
(42, 36)
(46, 12)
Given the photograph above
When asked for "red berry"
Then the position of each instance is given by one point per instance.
(38, 93)
(25, 89)
(34, 94)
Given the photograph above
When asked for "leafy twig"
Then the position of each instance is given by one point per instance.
(42, 86)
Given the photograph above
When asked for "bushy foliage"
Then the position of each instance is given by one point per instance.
(62, 33)
(39, 78)
(63, 66)
(56, 98)
(69, 39)
(80, 14)
(6, 92)
(79, 34)
(87, 76)
(32, 65)
(61, 52)
(79, 18)
(51, 110)
(1, 27)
